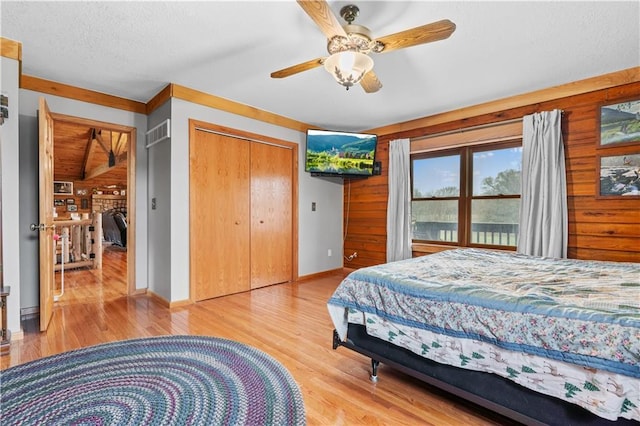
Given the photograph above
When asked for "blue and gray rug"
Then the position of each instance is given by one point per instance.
(170, 380)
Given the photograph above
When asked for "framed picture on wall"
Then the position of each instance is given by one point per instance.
(72, 207)
(60, 187)
(620, 175)
(620, 123)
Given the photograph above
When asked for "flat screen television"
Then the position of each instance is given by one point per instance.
(332, 153)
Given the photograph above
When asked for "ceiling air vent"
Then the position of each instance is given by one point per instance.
(158, 133)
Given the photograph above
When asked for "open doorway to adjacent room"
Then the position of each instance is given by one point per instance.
(93, 173)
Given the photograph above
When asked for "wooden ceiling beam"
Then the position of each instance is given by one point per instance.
(104, 168)
(98, 137)
(121, 144)
(87, 152)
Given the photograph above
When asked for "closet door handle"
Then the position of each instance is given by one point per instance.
(262, 221)
(237, 222)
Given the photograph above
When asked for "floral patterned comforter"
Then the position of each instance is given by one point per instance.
(585, 313)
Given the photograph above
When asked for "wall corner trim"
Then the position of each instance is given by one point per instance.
(605, 81)
(216, 102)
(41, 85)
(159, 99)
(11, 49)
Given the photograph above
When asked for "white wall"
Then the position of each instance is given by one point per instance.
(9, 171)
(29, 208)
(28, 109)
(317, 231)
(159, 187)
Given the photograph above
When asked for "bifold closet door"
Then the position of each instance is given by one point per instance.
(271, 214)
(220, 215)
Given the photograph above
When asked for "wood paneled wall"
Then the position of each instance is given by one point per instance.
(599, 228)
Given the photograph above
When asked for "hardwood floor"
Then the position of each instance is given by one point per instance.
(288, 321)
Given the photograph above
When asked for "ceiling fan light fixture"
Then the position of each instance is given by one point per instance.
(348, 67)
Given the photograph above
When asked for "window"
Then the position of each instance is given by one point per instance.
(468, 196)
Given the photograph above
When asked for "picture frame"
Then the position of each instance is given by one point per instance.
(72, 207)
(71, 200)
(62, 188)
(620, 123)
(619, 175)
(58, 202)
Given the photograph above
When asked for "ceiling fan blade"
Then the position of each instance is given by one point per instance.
(419, 35)
(324, 18)
(295, 69)
(370, 82)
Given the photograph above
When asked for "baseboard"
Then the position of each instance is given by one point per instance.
(17, 335)
(346, 271)
(161, 300)
(164, 302)
(332, 272)
(28, 313)
(179, 303)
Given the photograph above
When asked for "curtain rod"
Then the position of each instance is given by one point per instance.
(467, 129)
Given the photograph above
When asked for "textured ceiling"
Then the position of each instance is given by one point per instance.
(229, 49)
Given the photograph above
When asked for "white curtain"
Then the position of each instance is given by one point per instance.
(543, 203)
(399, 203)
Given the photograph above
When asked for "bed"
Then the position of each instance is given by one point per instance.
(540, 340)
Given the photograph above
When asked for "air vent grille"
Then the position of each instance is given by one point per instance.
(158, 133)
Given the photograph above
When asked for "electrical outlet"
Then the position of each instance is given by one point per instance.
(329, 253)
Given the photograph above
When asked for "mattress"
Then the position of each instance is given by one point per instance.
(566, 328)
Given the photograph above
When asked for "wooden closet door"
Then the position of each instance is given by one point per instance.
(271, 214)
(219, 205)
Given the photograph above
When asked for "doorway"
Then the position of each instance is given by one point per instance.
(94, 169)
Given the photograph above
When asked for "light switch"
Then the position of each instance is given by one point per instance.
(153, 203)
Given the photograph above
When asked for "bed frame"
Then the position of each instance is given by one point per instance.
(484, 389)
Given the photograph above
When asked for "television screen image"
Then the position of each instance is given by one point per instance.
(340, 153)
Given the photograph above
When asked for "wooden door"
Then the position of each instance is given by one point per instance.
(219, 211)
(47, 277)
(271, 214)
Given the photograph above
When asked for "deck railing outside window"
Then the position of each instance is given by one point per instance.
(499, 234)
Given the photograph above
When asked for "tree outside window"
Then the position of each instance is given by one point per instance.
(468, 196)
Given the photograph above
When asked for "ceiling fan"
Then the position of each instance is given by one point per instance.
(349, 46)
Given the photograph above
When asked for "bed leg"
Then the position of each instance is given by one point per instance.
(336, 339)
(374, 370)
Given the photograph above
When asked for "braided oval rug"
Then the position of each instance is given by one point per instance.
(169, 380)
